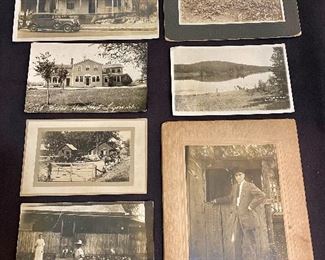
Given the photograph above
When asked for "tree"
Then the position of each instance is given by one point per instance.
(45, 67)
(279, 79)
(62, 74)
(128, 53)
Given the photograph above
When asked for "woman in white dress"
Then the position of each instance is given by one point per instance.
(39, 248)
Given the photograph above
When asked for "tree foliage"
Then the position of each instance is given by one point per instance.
(62, 74)
(83, 141)
(45, 67)
(135, 54)
(279, 80)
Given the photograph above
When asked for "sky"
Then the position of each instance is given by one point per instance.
(62, 53)
(251, 55)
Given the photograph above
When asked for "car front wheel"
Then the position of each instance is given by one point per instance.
(33, 27)
(67, 28)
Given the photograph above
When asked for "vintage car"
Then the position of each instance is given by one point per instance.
(53, 22)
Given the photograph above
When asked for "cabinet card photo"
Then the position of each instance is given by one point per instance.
(234, 190)
(82, 157)
(230, 80)
(188, 20)
(114, 231)
(75, 20)
(87, 78)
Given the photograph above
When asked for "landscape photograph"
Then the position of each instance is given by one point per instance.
(228, 12)
(230, 80)
(87, 78)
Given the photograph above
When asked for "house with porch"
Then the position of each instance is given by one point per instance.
(78, 7)
(89, 73)
(106, 230)
(67, 151)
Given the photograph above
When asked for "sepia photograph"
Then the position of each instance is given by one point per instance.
(71, 20)
(230, 12)
(87, 78)
(102, 155)
(230, 80)
(234, 190)
(89, 231)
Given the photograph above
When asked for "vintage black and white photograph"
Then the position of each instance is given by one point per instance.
(228, 12)
(70, 154)
(67, 20)
(67, 231)
(87, 78)
(235, 205)
(230, 80)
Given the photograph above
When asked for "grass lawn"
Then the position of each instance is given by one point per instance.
(228, 11)
(229, 101)
(132, 99)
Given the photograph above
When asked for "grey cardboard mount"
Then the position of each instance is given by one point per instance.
(177, 32)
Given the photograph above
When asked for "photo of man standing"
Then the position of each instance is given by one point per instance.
(244, 197)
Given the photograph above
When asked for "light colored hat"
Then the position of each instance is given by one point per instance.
(79, 242)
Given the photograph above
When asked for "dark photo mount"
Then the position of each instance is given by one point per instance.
(175, 31)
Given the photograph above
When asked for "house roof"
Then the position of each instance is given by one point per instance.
(107, 142)
(108, 65)
(43, 147)
(77, 209)
(88, 60)
(70, 146)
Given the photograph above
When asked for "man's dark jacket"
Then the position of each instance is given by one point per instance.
(250, 196)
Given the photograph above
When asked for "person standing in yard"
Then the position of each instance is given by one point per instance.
(39, 248)
(79, 252)
(244, 197)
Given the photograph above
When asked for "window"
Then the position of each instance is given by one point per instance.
(94, 79)
(108, 3)
(119, 70)
(95, 68)
(77, 79)
(81, 79)
(97, 79)
(70, 4)
(55, 80)
(106, 79)
(79, 68)
(113, 70)
(87, 68)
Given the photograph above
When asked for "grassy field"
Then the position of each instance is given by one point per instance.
(87, 100)
(230, 101)
(228, 11)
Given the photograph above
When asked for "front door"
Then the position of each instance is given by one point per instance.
(68, 82)
(87, 81)
(92, 6)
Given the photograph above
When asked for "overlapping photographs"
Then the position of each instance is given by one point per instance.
(66, 157)
(230, 80)
(70, 20)
(110, 231)
(87, 78)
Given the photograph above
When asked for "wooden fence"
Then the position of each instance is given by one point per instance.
(134, 245)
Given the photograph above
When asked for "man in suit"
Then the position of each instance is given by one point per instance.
(244, 197)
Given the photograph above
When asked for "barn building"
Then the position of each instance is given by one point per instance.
(106, 231)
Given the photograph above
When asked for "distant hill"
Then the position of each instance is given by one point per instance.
(210, 71)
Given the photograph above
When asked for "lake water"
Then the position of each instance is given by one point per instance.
(190, 87)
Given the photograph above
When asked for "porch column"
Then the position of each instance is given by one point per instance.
(57, 6)
(37, 6)
(96, 5)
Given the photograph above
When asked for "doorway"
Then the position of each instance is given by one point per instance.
(87, 81)
(68, 82)
(92, 7)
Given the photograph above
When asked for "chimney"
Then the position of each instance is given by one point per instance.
(71, 61)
